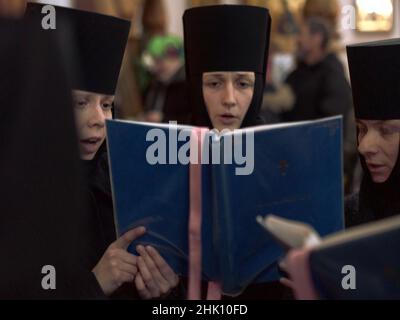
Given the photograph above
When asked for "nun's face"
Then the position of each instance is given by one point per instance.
(379, 145)
(91, 112)
(228, 96)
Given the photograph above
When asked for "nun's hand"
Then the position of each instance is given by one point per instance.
(155, 278)
(154, 116)
(285, 280)
(117, 266)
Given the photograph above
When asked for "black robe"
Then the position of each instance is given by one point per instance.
(100, 225)
(41, 212)
(371, 204)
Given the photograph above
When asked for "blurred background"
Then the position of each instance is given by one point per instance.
(304, 33)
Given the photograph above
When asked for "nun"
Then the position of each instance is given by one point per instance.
(226, 50)
(92, 47)
(375, 74)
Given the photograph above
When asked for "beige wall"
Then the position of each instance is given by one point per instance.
(177, 7)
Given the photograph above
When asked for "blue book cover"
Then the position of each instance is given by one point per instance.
(289, 170)
(361, 264)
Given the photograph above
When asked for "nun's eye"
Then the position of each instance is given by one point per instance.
(362, 130)
(385, 130)
(80, 104)
(107, 106)
(213, 84)
(244, 84)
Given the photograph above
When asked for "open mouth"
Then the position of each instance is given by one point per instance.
(375, 167)
(228, 119)
(91, 141)
(91, 145)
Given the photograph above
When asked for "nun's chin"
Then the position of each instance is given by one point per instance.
(87, 157)
(379, 178)
(223, 124)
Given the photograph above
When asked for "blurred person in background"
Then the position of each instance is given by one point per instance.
(166, 100)
(154, 22)
(318, 87)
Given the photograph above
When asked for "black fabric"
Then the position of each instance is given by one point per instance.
(375, 74)
(100, 223)
(100, 45)
(41, 212)
(226, 39)
(321, 91)
(353, 216)
(379, 200)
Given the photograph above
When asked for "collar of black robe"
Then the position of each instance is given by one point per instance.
(97, 171)
(375, 73)
(99, 48)
(226, 38)
(380, 200)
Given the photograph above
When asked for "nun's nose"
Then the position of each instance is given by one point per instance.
(368, 145)
(229, 99)
(97, 117)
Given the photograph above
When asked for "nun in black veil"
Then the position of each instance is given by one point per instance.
(94, 61)
(375, 74)
(226, 50)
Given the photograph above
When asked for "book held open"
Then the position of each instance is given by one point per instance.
(367, 256)
(289, 170)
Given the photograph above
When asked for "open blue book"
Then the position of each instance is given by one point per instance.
(361, 263)
(289, 170)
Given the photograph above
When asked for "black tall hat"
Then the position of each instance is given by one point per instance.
(226, 38)
(97, 43)
(375, 78)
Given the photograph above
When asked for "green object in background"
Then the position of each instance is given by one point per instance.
(161, 46)
(157, 47)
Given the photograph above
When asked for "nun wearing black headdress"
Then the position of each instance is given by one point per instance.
(93, 46)
(226, 50)
(375, 78)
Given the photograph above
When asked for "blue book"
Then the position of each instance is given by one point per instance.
(361, 264)
(289, 170)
